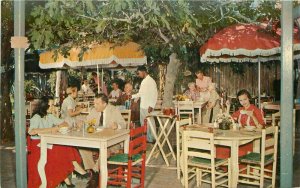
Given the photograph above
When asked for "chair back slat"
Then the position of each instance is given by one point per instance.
(199, 143)
(126, 114)
(269, 141)
(200, 140)
(138, 140)
(183, 122)
(269, 151)
(198, 154)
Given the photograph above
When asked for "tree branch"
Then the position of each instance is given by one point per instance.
(164, 37)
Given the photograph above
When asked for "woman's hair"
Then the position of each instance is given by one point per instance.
(42, 107)
(71, 90)
(243, 92)
(199, 71)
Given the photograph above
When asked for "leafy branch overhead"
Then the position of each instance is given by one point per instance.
(161, 27)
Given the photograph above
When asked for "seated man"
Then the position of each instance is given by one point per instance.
(106, 116)
(85, 87)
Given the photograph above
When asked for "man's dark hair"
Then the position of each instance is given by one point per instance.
(142, 68)
(102, 96)
(115, 82)
(94, 74)
(243, 92)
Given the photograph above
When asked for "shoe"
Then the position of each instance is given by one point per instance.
(83, 176)
(69, 186)
(94, 181)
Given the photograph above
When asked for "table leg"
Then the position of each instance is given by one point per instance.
(155, 145)
(157, 142)
(42, 162)
(126, 145)
(234, 163)
(166, 139)
(199, 116)
(103, 164)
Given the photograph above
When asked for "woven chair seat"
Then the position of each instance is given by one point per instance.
(203, 161)
(123, 158)
(254, 158)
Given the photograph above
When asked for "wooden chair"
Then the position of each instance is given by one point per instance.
(267, 115)
(131, 165)
(185, 109)
(180, 123)
(256, 162)
(198, 151)
(126, 114)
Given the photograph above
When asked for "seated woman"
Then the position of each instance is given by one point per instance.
(133, 106)
(116, 92)
(213, 105)
(61, 160)
(192, 93)
(247, 115)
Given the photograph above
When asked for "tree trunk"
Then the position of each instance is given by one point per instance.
(172, 72)
(7, 131)
(7, 26)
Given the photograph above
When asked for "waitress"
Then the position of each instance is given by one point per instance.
(68, 107)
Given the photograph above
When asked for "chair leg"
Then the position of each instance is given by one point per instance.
(129, 175)
(143, 173)
(177, 152)
(229, 173)
(199, 177)
(213, 178)
(274, 174)
(261, 179)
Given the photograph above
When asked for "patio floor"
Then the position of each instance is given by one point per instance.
(155, 177)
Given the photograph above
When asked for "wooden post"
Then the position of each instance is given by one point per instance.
(286, 98)
(19, 52)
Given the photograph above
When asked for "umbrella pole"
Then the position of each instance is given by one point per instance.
(98, 78)
(259, 83)
(102, 81)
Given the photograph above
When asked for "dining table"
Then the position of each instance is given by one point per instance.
(197, 105)
(276, 106)
(233, 139)
(161, 135)
(100, 140)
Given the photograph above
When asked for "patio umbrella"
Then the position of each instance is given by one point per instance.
(242, 43)
(106, 55)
